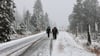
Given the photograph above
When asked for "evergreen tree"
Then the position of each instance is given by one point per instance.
(46, 21)
(76, 17)
(27, 20)
(38, 16)
(6, 19)
(90, 12)
(84, 13)
(34, 23)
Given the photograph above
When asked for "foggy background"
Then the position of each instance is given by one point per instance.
(58, 10)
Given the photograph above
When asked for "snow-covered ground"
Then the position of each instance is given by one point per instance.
(41, 47)
(18, 36)
(66, 46)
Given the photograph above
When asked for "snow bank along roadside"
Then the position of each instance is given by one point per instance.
(82, 41)
(12, 46)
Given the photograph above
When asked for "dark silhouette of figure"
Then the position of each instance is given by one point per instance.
(54, 32)
(48, 30)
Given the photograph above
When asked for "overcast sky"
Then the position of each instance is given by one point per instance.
(58, 10)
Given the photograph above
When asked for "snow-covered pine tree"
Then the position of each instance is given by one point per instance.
(6, 19)
(37, 17)
(22, 29)
(33, 23)
(84, 13)
(76, 17)
(27, 20)
(90, 12)
(46, 21)
(98, 24)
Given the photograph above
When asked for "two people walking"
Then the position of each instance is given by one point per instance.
(54, 32)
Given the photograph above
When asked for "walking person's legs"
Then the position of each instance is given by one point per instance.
(48, 34)
(55, 36)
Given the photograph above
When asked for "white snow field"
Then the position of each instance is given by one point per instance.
(66, 46)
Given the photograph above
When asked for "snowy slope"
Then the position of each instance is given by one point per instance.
(66, 46)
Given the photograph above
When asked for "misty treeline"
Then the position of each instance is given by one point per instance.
(11, 23)
(85, 17)
(35, 22)
(85, 13)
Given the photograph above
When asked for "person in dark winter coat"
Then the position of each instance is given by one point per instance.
(54, 32)
(48, 30)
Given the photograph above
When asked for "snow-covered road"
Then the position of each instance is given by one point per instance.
(63, 46)
(66, 46)
(41, 47)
